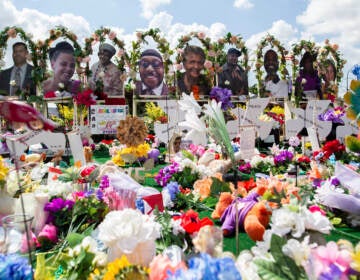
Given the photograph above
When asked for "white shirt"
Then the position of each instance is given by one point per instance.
(279, 90)
(157, 91)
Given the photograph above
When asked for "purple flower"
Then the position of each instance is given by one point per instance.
(58, 204)
(245, 168)
(166, 173)
(335, 181)
(222, 95)
(283, 157)
(104, 182)
(333, 115)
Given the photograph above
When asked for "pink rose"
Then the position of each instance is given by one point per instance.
(112, 35)
(208, 64)
(201, 35)
(49, 232)
(161, 265)
(315, 208)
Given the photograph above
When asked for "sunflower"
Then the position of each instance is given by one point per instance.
(132, 131)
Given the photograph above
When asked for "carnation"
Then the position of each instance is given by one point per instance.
(129, 232)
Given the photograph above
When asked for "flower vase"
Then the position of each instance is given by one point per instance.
(7, 203)
(332, 134)
(142, 254)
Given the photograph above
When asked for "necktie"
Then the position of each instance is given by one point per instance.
(17, 77)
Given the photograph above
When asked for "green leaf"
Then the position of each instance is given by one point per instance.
(268, 270)
(218, 187)
(74, 238)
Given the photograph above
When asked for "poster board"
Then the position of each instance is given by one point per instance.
(104, 119)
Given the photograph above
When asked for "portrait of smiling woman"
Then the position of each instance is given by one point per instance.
(193, 80)
(151, 70)
(62, 61)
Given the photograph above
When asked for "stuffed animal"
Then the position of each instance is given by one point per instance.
(253, 217)
(32, 159)
(225, 200)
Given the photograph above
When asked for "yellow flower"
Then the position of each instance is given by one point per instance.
(115, 267)
(356, 258)
(153, 112)
(4, 170)
(142, 150)
(118, 160)
(277, 110)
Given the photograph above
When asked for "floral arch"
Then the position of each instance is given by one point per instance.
(273, 42)
(44, 46)
(235, 40)
(331, 51)
(307, 46)
(100, 35)
(163, 47)
(13, 32)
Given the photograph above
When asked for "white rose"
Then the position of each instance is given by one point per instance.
(12, 83)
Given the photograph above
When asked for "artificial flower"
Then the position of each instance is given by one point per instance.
(161, 266)
(191, 222)
(129, 232)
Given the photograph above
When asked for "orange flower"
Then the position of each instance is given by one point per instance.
(203, 187)
(195, 91)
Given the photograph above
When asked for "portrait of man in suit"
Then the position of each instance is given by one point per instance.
(151, 68)
(17, 78)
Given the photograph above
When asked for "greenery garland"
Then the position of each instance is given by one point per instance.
(307, 46)
(238, 42)
(42, 49)
(273, 42)
(100, 35)
(163, 47)
(323, 55)
(13, 32)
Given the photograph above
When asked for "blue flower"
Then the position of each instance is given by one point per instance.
(15, 267)
(356, 71)
(206, 267)
(173, 189)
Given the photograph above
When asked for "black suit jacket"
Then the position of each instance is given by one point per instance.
(27, 85)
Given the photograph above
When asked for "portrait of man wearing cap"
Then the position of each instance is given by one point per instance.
(151, 70)
(105, 73)
(233, 76)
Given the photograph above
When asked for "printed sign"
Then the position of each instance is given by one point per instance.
(104, 119)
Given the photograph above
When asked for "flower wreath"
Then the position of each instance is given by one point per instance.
(269, 40)
(13, 32)
(331, 50)
(99, 35)
(211, 65)
(43, 48)
(163, 47)
(238, 42)
(305, 45)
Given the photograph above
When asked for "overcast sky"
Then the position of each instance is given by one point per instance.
(288, 20)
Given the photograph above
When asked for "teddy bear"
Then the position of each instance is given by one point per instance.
(225, 200)
(253, 216)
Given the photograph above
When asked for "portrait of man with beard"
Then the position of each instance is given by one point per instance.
(151, 69)
(273, 85)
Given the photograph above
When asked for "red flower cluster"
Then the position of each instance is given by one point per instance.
(85, 97)
(191, 223)
(330, 147)
(280, 118)
(50, 94)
